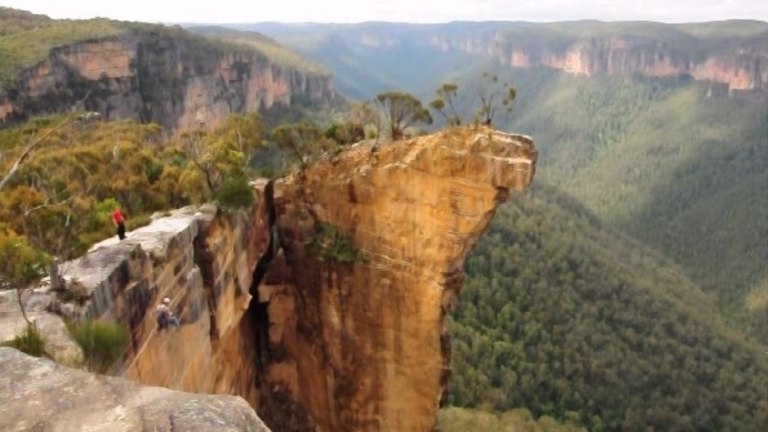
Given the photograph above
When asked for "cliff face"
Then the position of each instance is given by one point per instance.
(343, 329)
(374, 245)
(180, 83)
(203, 261)
(741, 67)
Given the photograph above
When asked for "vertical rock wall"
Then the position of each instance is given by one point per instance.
(201, 259)
(374, 244)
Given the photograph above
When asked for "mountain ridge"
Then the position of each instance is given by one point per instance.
(575, 46)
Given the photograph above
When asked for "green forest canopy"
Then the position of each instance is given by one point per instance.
(566, 317)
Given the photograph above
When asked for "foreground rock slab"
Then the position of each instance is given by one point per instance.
(40, 395)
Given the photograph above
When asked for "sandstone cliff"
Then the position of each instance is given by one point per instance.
(324, 304)
(374, 245)
(169, 77)
(740, 66)
(203, 260)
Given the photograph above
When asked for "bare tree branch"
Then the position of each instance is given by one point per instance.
(34, 142)
(46, 204)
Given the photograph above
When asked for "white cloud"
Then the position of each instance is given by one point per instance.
(396, 10)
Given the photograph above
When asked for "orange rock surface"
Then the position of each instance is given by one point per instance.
(362, 345)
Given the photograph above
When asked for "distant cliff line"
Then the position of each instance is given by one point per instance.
(743, 68)
(734, 53)
(162, 75)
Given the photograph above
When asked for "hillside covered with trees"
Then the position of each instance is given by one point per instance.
(567, 317)
(75, 171)
(687, 165)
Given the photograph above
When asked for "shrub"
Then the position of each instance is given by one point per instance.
(30, 342)
(331, 243)
(102, 342)
(235, 192)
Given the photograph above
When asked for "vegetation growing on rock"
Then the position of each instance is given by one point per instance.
(102, 342)
(29, 342)
(331, 243)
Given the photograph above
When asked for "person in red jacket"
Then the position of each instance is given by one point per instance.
(118, 218)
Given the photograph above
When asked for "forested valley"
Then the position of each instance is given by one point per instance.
(568, 317)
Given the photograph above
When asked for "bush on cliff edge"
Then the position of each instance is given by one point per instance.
(235, 193)
(30, 342)
(102, 342)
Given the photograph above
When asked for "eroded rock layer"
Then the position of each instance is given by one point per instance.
(180, 82)
(374, 244)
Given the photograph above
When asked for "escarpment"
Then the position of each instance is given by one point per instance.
(740, 66)
(374, 244)
(733, 52)
(180, 81)
(324, 305)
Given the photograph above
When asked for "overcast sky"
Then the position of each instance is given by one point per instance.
(230, 11)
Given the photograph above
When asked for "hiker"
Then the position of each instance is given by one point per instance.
(165, 316)
(118, 218)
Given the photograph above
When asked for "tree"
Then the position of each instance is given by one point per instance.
(303, 141)
(34, 142)
(490, 90)
(221, 154)
(245, 131)
(444, 103)
(345, 133)
(368, 116)
(20, 263)
(402, 110)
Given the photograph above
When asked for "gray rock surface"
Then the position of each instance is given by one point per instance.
(59, 345)
(39, 395)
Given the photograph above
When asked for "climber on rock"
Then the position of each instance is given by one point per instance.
(165, 315)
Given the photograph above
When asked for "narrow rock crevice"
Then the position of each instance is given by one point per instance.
(279, 411)
(257, 309)
(273, 244)
(203, 259)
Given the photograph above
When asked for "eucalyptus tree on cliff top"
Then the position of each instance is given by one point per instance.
(402, 110)
(444, 103)
(218, 158)
(489, 89)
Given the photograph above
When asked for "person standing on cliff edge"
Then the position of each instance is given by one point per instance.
(118, 218)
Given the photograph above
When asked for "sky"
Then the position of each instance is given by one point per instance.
(420, 11)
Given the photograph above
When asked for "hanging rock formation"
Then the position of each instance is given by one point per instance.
(374, 245)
